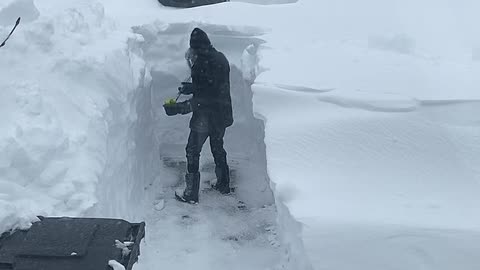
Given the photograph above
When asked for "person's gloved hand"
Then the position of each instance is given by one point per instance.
(186, 88)
(185, 107)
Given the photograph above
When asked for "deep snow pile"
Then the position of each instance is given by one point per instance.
(58, 74)
(374, 146)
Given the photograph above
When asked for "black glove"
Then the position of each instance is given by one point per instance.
(186, 88)
(184, 107)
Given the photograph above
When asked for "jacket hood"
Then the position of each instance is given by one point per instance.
(199, 39)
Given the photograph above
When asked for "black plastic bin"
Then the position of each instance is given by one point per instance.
(70, 243)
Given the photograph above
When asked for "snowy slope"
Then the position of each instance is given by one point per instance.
(370, 115)
(374, 145)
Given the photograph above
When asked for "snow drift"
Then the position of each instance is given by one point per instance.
(373, 146)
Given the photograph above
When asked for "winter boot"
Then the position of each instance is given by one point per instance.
(223, 179)
(190, 194)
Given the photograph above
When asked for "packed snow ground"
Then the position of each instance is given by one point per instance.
(371, 128)
(219, 232)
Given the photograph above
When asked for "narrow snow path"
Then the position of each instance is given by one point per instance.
(219, 233)
(222, 232)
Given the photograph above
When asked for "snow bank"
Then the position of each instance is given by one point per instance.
(372, 135)
(344, 246)
(350, 171)
(419, 162)
(59, 72)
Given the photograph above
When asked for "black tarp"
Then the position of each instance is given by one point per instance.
(189, 3)
(70, 243)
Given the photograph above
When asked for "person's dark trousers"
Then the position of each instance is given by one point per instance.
(194, 147)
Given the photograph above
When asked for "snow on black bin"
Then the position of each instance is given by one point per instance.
(72, 243)
(189, 3)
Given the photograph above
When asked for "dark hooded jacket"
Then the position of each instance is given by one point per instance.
(211, 102)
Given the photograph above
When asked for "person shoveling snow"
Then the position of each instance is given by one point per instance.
(212, 112)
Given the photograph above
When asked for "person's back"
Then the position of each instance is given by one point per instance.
(212, 113)
(211, 80)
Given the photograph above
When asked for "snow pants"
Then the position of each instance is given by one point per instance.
(195, 143)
